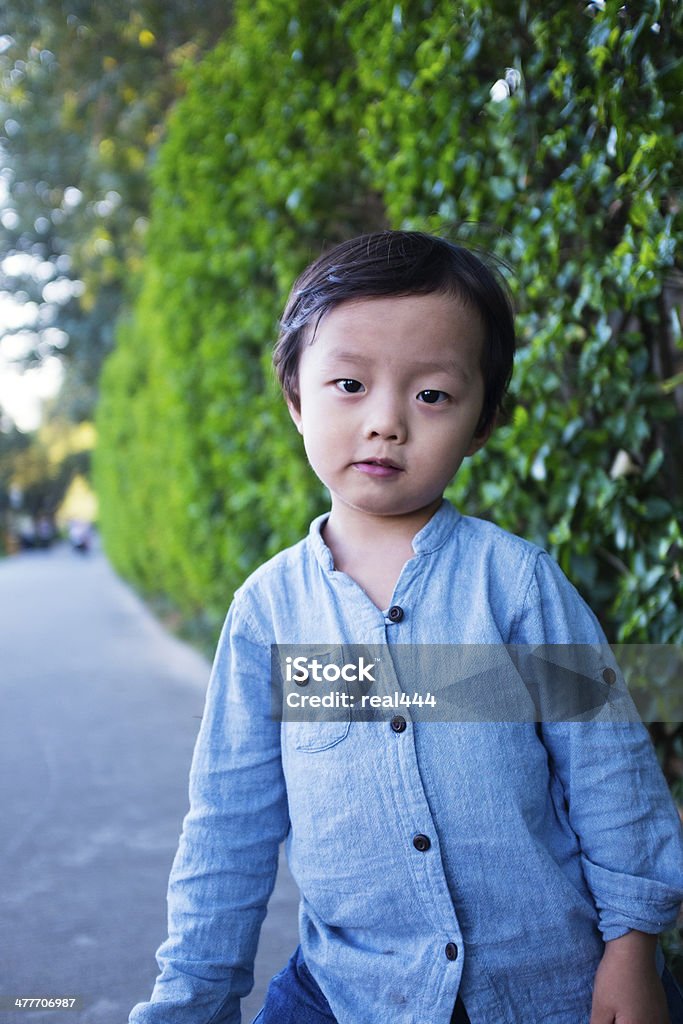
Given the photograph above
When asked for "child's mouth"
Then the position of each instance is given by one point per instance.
(378, 468)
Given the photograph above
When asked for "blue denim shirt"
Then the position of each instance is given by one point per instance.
(544, 840)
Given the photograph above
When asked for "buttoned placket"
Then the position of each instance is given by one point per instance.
(420, 838)
(385, 628)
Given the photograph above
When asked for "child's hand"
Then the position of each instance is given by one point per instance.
(627, 988)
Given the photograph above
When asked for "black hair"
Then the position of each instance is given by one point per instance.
(400, 263)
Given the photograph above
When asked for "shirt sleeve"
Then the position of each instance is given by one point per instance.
(225, 867)
(617, 800)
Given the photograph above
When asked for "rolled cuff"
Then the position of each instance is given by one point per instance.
(626, 902)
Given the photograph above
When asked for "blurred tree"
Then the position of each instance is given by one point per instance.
(84, 87)
(12, 445)
(37, 471)
(44, 478)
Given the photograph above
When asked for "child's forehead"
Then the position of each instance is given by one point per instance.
(400, 301)
(420, 332)
(433, 318)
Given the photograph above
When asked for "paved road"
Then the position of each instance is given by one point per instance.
(99, 709)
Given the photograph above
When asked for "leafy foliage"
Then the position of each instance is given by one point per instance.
(302, 129)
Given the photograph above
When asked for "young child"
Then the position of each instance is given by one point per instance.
(497, 872)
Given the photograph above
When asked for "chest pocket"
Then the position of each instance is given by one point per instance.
(320, 716)
(310, 737)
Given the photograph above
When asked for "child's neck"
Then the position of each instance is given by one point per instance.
(372, 550)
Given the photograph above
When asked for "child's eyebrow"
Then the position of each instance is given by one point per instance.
(442, 366)
(338, 355)
(418, 366)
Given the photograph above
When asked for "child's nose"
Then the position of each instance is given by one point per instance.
(385, 419)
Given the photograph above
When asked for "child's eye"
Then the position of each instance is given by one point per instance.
(432, 397)
(349, 386)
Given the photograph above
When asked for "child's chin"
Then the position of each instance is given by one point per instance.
(384, 507)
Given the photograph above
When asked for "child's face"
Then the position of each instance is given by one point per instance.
(390, 395)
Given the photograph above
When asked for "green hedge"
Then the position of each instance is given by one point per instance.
(310, 123)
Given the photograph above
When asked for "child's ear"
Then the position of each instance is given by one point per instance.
(479, 440)
(295, 413)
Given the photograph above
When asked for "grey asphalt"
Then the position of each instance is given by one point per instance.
(99, 710)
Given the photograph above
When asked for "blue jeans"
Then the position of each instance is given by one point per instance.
(293, 997)
(674, 997)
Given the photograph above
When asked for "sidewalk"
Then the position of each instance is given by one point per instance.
(100, 709)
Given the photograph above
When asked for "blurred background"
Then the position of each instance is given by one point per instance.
(167, 169)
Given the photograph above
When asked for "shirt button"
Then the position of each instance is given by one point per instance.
(396, 613)
(421, 842)
(451, 951)
(609, 675)
(398, 723)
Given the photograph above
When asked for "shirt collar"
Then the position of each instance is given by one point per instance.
(432, 535)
